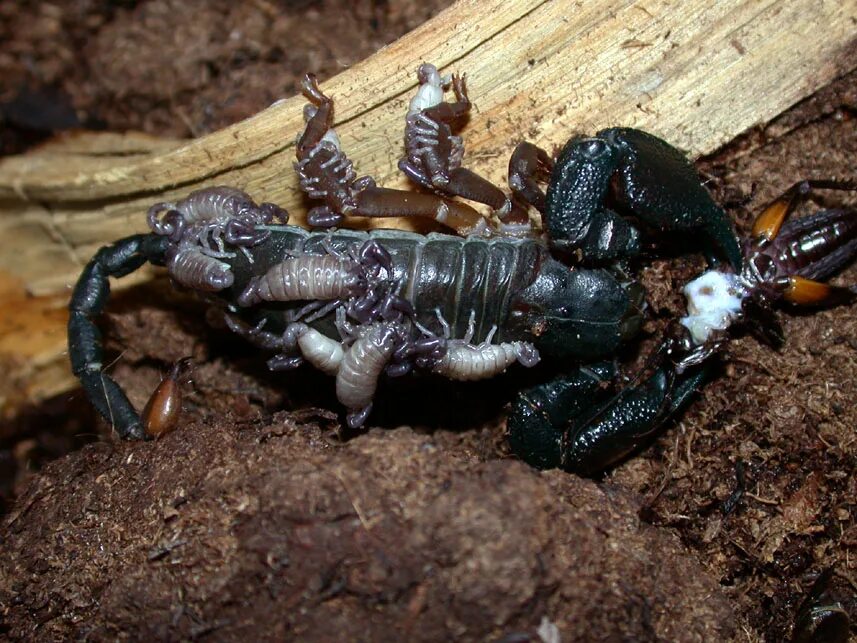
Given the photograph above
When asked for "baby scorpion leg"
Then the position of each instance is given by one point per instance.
(257, 336)
(317, 349)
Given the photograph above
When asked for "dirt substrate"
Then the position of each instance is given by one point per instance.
(256, 519)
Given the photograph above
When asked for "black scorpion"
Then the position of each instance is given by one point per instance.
(359, 305)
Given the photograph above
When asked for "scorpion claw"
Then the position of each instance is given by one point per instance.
(580, 424)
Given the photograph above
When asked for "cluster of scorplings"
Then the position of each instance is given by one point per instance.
(357, 284)
(359, 305)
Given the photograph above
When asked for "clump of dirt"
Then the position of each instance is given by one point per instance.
(176, 67)
(266, 529)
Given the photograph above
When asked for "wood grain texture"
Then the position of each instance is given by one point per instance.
(696, 73)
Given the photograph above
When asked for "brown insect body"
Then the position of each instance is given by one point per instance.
(161, 413)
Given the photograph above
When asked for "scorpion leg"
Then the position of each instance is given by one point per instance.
(529, 166)
(578, 423)
(286, 359)
(469, 185)
(387, 202)
(638, 174)
(297, 344)
(322, 216)
(84, 339)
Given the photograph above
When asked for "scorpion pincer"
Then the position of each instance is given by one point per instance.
(364, 305)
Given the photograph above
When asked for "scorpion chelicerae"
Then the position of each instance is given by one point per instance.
(361, 305)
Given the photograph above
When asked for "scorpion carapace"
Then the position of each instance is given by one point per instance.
(364, 305)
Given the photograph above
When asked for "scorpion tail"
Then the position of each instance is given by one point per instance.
(85, 348)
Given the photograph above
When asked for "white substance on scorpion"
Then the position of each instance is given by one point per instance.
(481, 229)
(442, 213)
(331, 137)
(467, 362)
(520, 230)
(321, 351)
(363, 364)
(713, 303)
(310, 277)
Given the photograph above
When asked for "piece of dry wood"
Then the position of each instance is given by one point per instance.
(696, 73)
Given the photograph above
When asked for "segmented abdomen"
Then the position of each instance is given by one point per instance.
(306, 278)
(818, 245)
(321, 351)
(195, 270)
(442, 272)
(363, 364)
(213, 203)
(460, 277)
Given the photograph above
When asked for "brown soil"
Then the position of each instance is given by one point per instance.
(254, 522)
(176, 67)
